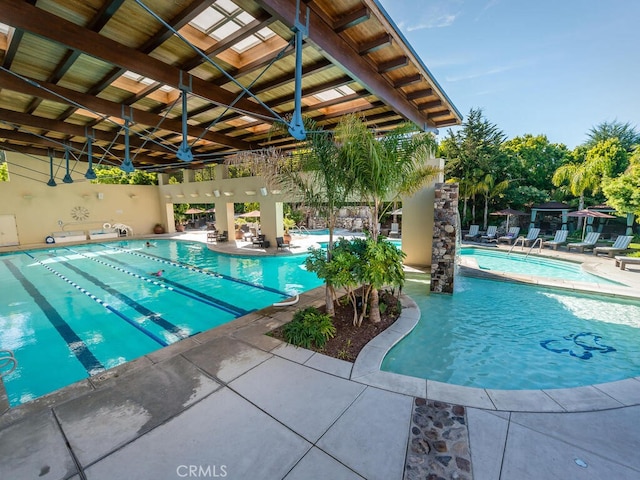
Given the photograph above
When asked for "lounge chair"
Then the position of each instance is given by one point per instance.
(559, 239)
(588, 244)
(395, 231)
(280, 243)
(222, 237)
(511, 235)
(532, 236)
(258, 241)
(621, 245)
(622, 262)
(490, 235)
(473, 232)
(357, 225)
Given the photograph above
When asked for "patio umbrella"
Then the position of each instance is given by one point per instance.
(251, 214)
(508, 212)
(586, 213)
(193, 211)
(397, 212)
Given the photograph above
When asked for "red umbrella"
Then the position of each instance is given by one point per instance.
(586, 213)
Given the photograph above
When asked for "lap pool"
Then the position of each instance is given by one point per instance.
(70, 313)
(503, 335)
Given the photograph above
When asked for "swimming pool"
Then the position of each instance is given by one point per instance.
(72, 312)
(506, 335)
(499, 261)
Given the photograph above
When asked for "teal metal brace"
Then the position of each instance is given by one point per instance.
(296, 126)
(184, 153)
(127, 164)
(67, 177)
(90, 175)
(51, 182)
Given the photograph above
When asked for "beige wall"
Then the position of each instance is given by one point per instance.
(417, 222)
(40, 210)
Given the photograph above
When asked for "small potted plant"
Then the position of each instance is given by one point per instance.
(289, 223)
(239, 222)
(158, 228)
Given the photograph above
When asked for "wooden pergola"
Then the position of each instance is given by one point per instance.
(161, 85)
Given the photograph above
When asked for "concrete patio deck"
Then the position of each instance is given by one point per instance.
(234, 403)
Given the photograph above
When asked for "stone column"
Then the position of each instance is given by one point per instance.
(445, 226)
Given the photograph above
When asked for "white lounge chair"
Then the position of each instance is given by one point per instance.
(619, 246)
(622, 262)
(473, 232)
(490, 235)
(588, 243)
(395, 230)
(559, 239)
(511, 235)
(532, 236)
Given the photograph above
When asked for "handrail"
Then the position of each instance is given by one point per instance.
(7, 357)
(521, 237)
(288, 303)
(534, 246)
(302, 228)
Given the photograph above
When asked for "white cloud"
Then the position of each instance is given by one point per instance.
(440, 21)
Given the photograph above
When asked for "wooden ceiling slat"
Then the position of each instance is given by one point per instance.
(39, 22)
(375, 44)
(351, 19)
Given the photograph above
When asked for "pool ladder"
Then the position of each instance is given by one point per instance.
(538, 241)
(7, 358)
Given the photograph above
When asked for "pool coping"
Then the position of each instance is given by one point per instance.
(603, 396)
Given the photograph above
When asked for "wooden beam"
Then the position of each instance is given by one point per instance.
(105, 107)
(342, 54)
(430, 105)
(394, 64)
(39, 22)
(351, 19)
(374, 45)
(427, 92)
(406, 81)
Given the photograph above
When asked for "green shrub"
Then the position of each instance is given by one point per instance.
(309, 328)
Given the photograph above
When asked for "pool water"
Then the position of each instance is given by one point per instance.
(499, 261)
(503, 335)
(72, 312)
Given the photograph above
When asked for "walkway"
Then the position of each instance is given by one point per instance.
(234, 403)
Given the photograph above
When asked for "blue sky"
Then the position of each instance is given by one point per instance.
(553, 67)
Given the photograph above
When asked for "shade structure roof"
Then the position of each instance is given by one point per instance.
(509, 211)
(148, 80)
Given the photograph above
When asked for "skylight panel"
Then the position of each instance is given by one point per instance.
(133, 75)
(265, 33)
(244, 18)
(207, 19)
(328, 95)
(225, 30)
(345, 90)
(246, 43)
(4, 28)
(227, 5)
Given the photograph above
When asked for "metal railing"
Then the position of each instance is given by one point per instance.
(7, 358)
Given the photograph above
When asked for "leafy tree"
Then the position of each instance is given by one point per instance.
(4, 172)
(534, 160)
(627, 135)
(474, 152)
(623, 192)
(489, 189)
(115, 175)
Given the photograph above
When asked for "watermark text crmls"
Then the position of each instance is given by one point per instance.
(201, 471)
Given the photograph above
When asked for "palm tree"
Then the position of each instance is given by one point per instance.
(489, 189)
(384, 167)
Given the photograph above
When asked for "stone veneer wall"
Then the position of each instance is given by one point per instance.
(445, 224)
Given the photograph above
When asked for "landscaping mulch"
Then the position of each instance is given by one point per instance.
(350, 339)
